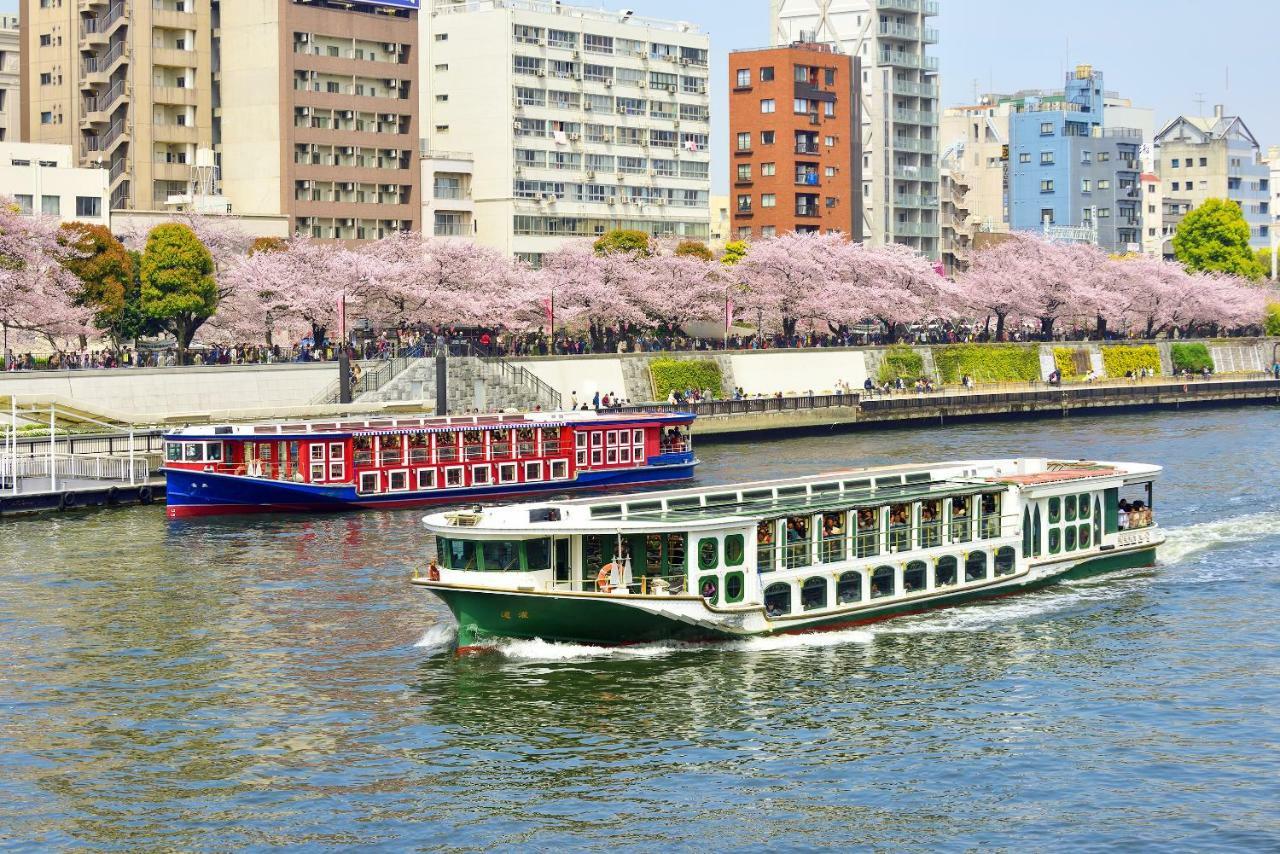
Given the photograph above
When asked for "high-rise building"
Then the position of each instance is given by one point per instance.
(579, 120)
(317, 113)
(794, 133)
(975, 178)
(1217, 157)
(125, 83)
(899, 90)
(1070, 174)
(10, 80)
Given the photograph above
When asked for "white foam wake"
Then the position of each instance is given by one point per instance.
(1182, 543)
(438, 638)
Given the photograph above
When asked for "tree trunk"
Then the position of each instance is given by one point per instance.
(1102, 328)
(999, 325)
(1046, 327)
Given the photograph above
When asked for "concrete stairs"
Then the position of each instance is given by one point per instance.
(473, 384)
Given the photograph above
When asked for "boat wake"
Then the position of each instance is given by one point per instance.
(438, 638)
(1182, 543)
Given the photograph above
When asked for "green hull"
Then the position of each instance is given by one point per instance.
(484, 615)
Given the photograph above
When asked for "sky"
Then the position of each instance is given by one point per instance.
(1170, 55)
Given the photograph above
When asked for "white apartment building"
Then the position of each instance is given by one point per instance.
(44, 178)
(578, 121)
(10, 79)
(899, 106)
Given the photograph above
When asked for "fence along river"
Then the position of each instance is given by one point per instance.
(274, 680)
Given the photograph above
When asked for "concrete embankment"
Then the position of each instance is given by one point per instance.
(829, 412)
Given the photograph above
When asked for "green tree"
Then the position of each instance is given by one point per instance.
(1215, 237)
(178, 290)
(1271, 323)
(734, 251)
(1264, 258)
(694, 249)
(624, 240)
(105, 270)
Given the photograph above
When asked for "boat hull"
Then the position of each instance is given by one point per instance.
(488, 614)
(194, 494)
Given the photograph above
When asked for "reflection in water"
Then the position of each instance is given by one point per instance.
(265, 681)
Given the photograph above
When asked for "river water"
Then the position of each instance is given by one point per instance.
(275, 682)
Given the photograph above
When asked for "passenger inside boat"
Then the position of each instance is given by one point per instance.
(797, 541)
(1136, 512)
(961, 529)
(899, 527)
(764, 546)
(867, 544)
(674, 441)
(832, 537)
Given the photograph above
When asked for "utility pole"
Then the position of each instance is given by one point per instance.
(442, 376)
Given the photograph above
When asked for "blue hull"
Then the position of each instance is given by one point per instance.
(194, 493)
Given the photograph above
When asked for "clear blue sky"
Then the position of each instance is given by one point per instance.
(1164, 54)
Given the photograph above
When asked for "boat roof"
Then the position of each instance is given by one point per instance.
(718, 505)
(370, 425)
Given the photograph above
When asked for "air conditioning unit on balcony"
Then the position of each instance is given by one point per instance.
(591, 174)
(643, 85)
(392, 83)
(542, 72)
(347, 149)
(348, 186)
(348, 114)
(306, 185)
(586, 105)
(574, 137)
(676, 123)
(516, 105)
(608, 84)
(303, 38)
(391, 47)
(613, 200)
(304, 111)
(516, 125)
(662, 203)
(348, 223)
(577, 54)
(653, 173)
(671, 90)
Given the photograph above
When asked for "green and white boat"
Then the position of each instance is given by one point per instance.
(786, 556)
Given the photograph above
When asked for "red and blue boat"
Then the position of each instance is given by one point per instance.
(408, 462)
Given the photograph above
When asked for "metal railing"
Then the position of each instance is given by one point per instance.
(121, 469)
(150, 441)
(503, 371)
(372, 377)
(753, 404)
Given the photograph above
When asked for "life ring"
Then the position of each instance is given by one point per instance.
(66, 500)
(603, 580)
(145, 496)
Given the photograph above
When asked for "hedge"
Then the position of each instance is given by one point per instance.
(989, 363)
(1191, 357)
(1064, 361)
(901, 361)
(1120, 360)
(681, 374)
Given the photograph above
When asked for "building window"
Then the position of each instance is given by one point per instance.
(1046, 158)
(46, 118)
(768, 170)
(744, 77)
(1204, 161)
(744, 203)
(768, 231)
(1046, 186)
(1104, 213)
(1046, 128)
(744, 141)
(23, 201)
(768, 105)
(88, 206)
(744, 171)
(766, 74)
(46, 78)
(1046, 215)
(744, 232)
(45, 40)
(829, 141)
(1174, 163)
(1104, 156)
(766, 137)
(1024, 157)
(442, 37)
(1104, 184)
(1086, 185)
(1174, 186)
(768, 200)
(829, 76)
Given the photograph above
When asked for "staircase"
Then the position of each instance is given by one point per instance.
(373, 376)
(474, 384)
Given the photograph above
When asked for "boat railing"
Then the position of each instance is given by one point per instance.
(872, 542)
(642, 584)
(501, 450)
(419, 455)
(390, 457)
(446, 455)
(474, 452)
(362, 458)
(550, 449)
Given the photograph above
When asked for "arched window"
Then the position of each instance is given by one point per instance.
(882, 582)
(849, 588)
(1070, 534)
(1086, 531)
(1055, 540)
(777, 599)
(1035, 532)
(975, 566)
(1026, 532)
(709, 589)
(1005, 560)
(944, 574)
(813, 594)
(913, 577)
(1097, 522)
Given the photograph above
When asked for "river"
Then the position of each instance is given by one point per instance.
(264, 682)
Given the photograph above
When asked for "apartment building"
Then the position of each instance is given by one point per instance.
(794, 132)
(899, 91)
(125, 84)
(317, 113)
(1072, 176)
(10, 80)
(975, 177)
(579, 120)
(1154, 235)
(44, 179)
(1217, 157)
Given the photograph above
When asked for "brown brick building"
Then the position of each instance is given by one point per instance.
(795, 160)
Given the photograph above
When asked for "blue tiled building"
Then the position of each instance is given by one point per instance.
(1069, 171)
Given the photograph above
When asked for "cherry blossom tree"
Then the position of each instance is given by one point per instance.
(675, 289)
(900, 286)
(791, 276)
(37, 291)
(596, 291)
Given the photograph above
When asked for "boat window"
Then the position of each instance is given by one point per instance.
(944, 573)
(397, 481)
(777, 599)
(686, 503)
(191, 452)
(459, 554)
(363, 450)
(722, 499)
(899, 527)
(389, 450)
(975, 566)
(1035, 532)
(882, 482)
(643, 507)
(453, 476)
(1055, 540)
(708, 553)
(930, 524)
(213, 451)
(1097, 522)
(757, 494)
(419, 448)
(849, 588)
(173, 451)
(1070, 533)
(818, 488)
(913, 577)
(525, 441)
(501, 556)
(709, 589)
(1026, 532)
(792, 491)
(989, 524)
(559, 469)
(766, 550)
(1005, 559)
(1084, 536)
(533, 471)
(857, 485)
(605, 510)
(734, 550)
(1069, 508)
(479, 475)
(446, 447)
(832, 543)
(1082, 504)
(426, 478)
(734, 586)
(797, 553)
(813, 595)
(507, 473)
(882, 582)
(676, 552)
(867, 542)
(593, 557)
(368, 481)
(961, 523)
(1055, 510)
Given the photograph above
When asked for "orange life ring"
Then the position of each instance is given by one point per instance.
(603, 584)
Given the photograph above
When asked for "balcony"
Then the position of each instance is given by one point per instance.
(916, 90)
(905, 59)
(173, 19)
(899, 5)
(914, 145)
(177, 95)
(915, 173)
(808, 211)
(915, 201)
(806, 148)
(915, 117)
(173, 57)
(173, 133)
(899, 31)
(915, 229)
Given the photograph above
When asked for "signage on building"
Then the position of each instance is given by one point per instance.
(1004, 152)
(399, 4)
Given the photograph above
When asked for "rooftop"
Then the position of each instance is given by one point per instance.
(446, 7)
